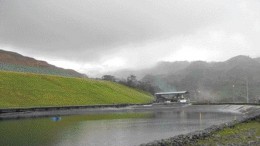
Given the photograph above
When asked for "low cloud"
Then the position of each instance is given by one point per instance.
(99, 36)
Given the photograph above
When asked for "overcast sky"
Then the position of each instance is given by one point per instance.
(106, 35)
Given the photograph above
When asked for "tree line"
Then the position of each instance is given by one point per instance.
(131, 81)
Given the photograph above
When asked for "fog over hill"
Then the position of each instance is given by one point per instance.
(207, 81)
(160, 68)
(215, 81)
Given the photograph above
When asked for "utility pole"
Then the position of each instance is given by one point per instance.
(247, 98)
(233, 93)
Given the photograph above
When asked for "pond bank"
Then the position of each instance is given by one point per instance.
(34, 112)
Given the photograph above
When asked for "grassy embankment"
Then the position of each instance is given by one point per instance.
(241, 134)
(33, 90)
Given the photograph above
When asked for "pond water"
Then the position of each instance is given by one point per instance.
(117, 129)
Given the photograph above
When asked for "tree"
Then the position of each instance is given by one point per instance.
(132, 81)
(109, 78)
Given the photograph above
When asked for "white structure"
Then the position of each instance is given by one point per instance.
(178, 96)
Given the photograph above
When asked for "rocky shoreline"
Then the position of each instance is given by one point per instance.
(193, 137)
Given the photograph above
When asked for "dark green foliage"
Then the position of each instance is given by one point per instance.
(132, 82)
(109, 78)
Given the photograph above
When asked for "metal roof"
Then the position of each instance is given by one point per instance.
(168, 93)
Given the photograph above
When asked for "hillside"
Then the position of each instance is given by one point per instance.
(214, 81)
(257, 59)
(31, 90)
(11, 61)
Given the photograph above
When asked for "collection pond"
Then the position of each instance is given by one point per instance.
(116, 128)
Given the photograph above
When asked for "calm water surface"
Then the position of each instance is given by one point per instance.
(117, 129)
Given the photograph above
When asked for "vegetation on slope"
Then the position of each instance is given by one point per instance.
(30, 90)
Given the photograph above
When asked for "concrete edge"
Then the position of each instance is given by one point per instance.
(35, 112)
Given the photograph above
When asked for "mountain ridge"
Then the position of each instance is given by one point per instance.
(216, 81)
(211, 81)
(12, 61)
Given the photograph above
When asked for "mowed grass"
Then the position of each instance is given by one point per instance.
(34, 90)
(241, 134)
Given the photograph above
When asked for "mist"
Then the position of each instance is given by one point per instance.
(96, 37)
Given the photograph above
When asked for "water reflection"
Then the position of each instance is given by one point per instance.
(107, 129)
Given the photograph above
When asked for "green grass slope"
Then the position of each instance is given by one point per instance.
(33, 90)
(247, 133)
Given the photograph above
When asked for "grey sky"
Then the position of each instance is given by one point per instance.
(105, 35)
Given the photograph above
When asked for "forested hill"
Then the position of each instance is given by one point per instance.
(11, 61)
(214, 81)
